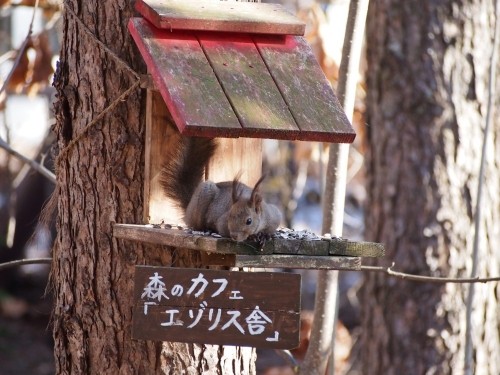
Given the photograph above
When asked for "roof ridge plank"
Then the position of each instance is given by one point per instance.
(245, 17)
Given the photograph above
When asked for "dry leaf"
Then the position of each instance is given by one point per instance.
(35, 66)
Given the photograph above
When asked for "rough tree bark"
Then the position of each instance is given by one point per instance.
(99, 182)
(427, 94)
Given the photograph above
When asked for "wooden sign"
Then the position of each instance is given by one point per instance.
(259, 309)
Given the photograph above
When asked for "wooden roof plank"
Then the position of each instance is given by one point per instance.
(305, 88)
(246, 17)
(248, 85)
(185, 80)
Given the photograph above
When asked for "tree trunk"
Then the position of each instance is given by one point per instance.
(99, 182)
(427, 98)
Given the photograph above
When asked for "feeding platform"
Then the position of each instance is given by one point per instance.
(313, 252)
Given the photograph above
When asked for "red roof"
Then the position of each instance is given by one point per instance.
(234, 84)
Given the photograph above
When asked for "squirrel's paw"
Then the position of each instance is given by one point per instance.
(260, 238)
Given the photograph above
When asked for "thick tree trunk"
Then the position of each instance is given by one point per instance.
(427, 99)
(100, 181)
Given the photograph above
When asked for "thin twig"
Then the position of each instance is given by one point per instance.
(22, 262)
(468, 360)
(386, 270)
(33, 164)
(47, 5)
(9, 55)
(429, 279)
(20, 51)
(288, 357)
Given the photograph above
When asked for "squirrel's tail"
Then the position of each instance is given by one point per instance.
(181, 174)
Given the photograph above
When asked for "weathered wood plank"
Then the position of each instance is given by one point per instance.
(214, 259)
(185, 80)
(283, 261)
(299, 261)
(248, 85)
(341, 246)
(324, 248)
(239, 254)
(179, 238)
(235, 155)
(241, 99)
(299, 247)
(220, 16)
(305, 88)
(161, 134)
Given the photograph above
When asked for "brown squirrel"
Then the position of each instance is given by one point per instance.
(230, 208)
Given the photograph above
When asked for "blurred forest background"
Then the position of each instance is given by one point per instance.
(296, 172)
(296, 175)
(25, 119)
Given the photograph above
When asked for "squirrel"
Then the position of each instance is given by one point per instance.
(230, 208)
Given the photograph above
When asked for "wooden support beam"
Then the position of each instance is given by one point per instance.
(284, 261)
(299, 261)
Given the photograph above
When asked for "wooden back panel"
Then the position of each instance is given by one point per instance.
(233, 155)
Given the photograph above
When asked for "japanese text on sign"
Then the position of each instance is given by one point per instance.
(156, 290)
(190, 305)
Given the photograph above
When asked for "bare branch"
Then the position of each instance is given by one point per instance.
(22, 262)
(21, 49)
(387, 270)
(429, 279)
(33, 164)
(288, 357)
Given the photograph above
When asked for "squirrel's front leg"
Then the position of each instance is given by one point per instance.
(197, 209)
(222, 225)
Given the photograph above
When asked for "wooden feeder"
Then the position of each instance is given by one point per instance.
(240, 72)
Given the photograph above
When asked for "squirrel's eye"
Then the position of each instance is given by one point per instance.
(249, 221)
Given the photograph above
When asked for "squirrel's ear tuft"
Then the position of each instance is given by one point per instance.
(256, 198)
(256, 187)
(236, 191)
(256, 202)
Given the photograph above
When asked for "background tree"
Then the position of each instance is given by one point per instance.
(100, 172)
(428, 75)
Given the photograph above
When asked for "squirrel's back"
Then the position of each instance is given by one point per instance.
(181, 174)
